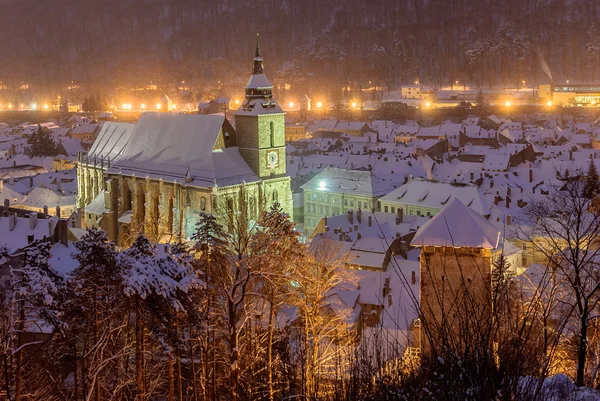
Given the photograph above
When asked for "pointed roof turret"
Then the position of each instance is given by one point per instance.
(259, 91)
(458, 226)
(258, 60)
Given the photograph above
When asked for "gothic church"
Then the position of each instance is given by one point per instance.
(158, 175)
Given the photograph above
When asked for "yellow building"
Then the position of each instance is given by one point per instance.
(295, 132)
(570, 94)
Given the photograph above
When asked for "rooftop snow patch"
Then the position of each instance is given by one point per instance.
(458, 226)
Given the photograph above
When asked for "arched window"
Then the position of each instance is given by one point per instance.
(275, 196)
(272, 126)
(252, 207)
(230, 205)
(203, 203)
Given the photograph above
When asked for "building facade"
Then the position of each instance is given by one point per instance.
(159, 175)
(335, 191)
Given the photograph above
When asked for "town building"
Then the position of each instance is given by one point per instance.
(426, 198)
(334, 191)
(458, 247)
(159, 175)
(571, 94)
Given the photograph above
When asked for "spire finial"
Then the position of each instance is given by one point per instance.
(258, 61)
(257, 47)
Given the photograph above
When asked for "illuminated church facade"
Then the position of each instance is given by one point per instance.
(158, 175)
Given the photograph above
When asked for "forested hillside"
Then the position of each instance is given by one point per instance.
(486, 42)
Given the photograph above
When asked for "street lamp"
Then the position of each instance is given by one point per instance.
(549, 104)
(319, 105)
(291, 104)
(427, 105)
(143, 106)
(508, 103)
(353, 105)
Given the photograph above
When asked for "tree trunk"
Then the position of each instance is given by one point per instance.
(171, 378)
(193, 369)
(6, 376)
(270, 350)
(139, 353)
(233, 375)
(75, 375)
(96, 381)
(19, 355)
(178, 378)
(582, 352)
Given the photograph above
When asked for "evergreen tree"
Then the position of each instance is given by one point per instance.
(41, 144)
(591, 188)
(482, 108)
(96, 286)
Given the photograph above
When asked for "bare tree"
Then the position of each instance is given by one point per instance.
(565, 230)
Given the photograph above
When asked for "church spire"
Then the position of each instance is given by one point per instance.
(258, 60)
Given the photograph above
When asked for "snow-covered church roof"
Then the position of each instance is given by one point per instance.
(182, 147)
(111, 141)
(458, 226)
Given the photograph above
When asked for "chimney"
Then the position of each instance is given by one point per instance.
(30, 181)
(341, 237)
(491, 183)
(507, 202)
(350, 229)
(358, 215)
(30, 238)
(356, 227)
(571, 155)
(398, 235)
(51, 228)
(370, 220)
(405, 178)
(32, 220)
(508, 191)
(45, 210)
(413, 278)
(12, 221)
(403, 247)
(57, 211)
(530, 175)
(358, 235)
(508, 219)
(1, 185)
(325, 220)
(351, 216)
(400, 216)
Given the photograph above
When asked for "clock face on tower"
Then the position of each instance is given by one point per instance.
(272, 159)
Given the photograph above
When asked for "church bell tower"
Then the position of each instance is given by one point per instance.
(260, 125)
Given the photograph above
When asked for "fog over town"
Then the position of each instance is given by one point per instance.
(320, 200)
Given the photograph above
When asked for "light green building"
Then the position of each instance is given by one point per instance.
(426, 198)
(334, 191)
